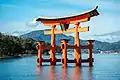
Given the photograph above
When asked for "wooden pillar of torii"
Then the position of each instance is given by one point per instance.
(77, 50)
(52, 48)
(39, 47)
(64, 23)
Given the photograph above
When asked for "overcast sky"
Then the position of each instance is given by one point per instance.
(16, 15)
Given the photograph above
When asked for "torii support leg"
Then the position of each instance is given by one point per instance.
(52, 49)
(77, 51)
(39, 59)
(64, 52)
(90, 46)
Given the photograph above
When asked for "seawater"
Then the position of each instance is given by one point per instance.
(106, 67)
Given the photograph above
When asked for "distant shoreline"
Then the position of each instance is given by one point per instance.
(17, 56)
(26, 55)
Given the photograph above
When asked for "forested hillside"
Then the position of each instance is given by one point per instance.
(13, 46)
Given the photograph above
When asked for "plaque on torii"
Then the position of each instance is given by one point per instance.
(64, 24)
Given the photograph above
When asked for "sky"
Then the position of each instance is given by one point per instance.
(16, 16)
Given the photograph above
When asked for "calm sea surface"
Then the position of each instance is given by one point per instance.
(106, 67)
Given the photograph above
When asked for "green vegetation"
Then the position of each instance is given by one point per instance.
(14, 46)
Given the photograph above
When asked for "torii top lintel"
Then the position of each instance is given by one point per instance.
(68, 20)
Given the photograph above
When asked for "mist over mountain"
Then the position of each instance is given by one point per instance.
(108, 37)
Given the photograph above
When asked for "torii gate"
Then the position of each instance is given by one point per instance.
(64, 23)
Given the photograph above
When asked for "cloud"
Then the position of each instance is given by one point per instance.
(32, 24)
(17, 33)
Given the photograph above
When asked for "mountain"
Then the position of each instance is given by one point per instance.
(108, 37)
(39, 35)
(98, 45)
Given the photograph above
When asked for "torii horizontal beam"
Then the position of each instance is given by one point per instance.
(68, 46)
(68, 20)
(70, 30)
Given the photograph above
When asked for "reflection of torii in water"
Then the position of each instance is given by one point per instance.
(74, 73)
(64, 23)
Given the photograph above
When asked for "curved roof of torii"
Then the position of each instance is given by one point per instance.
(72, 19)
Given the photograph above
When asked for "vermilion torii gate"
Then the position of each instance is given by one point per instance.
(64, 23)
